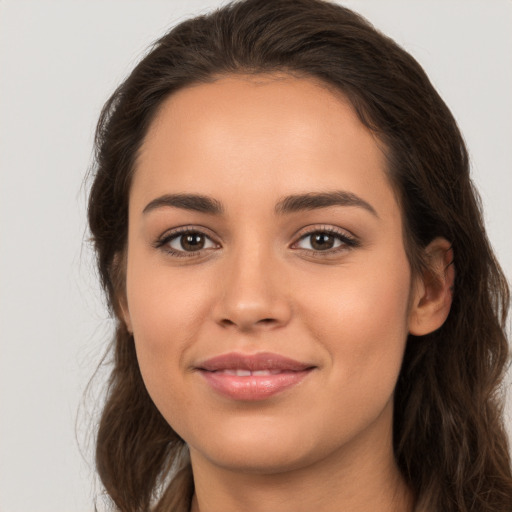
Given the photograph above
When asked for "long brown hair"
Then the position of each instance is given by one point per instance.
(449, 438)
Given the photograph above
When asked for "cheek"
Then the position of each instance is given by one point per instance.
(164, 302)
(165, 313)
(360, 318)
(362, 298)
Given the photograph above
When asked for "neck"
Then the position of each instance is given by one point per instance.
(356, 478)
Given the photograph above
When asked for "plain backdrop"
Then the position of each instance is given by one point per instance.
(59, 61)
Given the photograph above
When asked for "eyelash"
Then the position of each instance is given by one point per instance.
(166, 238)
(348, 241)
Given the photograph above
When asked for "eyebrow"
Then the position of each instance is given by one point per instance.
(288, 204)
(315, 200)
(194, 202)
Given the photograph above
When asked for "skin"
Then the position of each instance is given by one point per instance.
(258, 285)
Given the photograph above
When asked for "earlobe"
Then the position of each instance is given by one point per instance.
(118, 276)
(433, 292)
(123, 306)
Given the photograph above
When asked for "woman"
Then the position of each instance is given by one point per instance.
(309, 314)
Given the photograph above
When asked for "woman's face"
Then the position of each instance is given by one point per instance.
(267, 285)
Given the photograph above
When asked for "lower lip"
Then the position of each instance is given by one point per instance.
(252, 387)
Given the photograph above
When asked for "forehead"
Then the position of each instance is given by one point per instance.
(272, 135)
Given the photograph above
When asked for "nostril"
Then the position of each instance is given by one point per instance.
(226, 322)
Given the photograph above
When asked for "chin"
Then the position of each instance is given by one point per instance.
(264, 453)
(258, 460)
(260, 450)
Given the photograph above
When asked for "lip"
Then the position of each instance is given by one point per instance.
(274, 374)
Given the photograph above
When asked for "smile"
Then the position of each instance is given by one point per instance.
(252, 377)
(247, 373)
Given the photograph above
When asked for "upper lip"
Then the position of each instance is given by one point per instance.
(252, 362)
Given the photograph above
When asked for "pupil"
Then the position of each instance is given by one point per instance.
(192, 242)
(322, 241)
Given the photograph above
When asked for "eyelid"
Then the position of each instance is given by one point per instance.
(163, 240)
(348, 239)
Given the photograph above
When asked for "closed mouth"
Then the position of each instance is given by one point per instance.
(252, 377)
(260, 362)
(247, 373)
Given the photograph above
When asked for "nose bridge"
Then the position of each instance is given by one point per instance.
(252, 294)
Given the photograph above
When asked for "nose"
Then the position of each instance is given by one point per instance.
(252, 293)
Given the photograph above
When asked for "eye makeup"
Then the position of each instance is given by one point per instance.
(186, 242)
(195, 241)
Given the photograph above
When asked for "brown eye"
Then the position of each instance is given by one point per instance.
(326, 240)
(322, 241)
(190, 242)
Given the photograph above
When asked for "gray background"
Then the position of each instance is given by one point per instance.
(59, 61)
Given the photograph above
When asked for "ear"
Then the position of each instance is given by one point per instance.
(125, 313)
(433, 290)
(118, 276)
